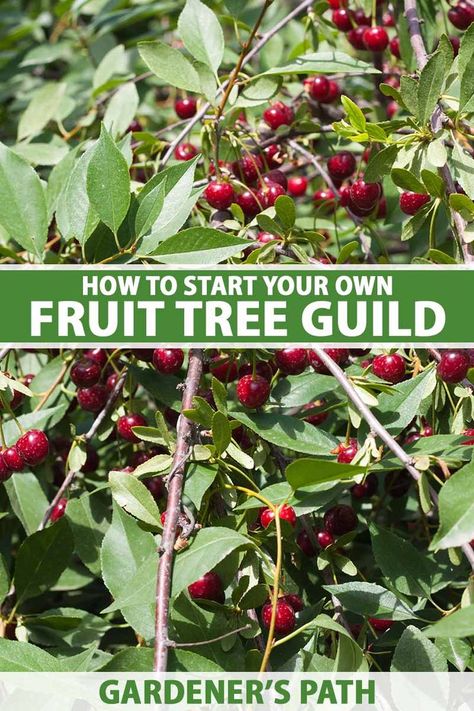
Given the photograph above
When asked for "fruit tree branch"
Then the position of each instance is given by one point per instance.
(173, 510)
(248, 57)
(380, 430)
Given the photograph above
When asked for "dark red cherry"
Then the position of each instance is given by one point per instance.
(365, 195)
(249, 204)
(249, 168)
(340, 519)
(291, 361)
(278, 114)
(13, 459)
(325, 199)
(5, 472)
(297, 186)
(253, 391)
(376, 38)
(185, 108)
(33, 447)
(395, 47)
(338, 355)
(92, 399)
(316, 418)
(319, 88)
(168, 360)
(347, 452)
(98, 355)
(411, 203)
(126, 423)
(219, 195)
(334, 93)
(85, 373)
(390, 367)
(366, 489)
(342, 19)
(285, 619)
(268, 194)
(380, 625)
(287, 513)
(185, 151)
(59, 510)
(453, 366)
(341, 165)
(209, 587)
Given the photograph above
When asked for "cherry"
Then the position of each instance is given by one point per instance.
(395, 47)
(266, 237)
(185, 108)
(380, 625)
(224, 368)
(253, 391)
(285, 619)
(268, 194)
(13, 459)
(341, 165)
(59, 510)
(319, 88)
(155, 486)
(273, 156)
(85, 373)
(323, 539)
(92, 461)
(209, 587)
(248, 168)
(92, 399)
(294, 600)
(276, 176)
(291, 361)
(185, 151)
(342, 19)
(376, 38)
(366, 489)
(397, 484)
(286, 513)
(453, 366)
(392, 108)
(297, 186)
(326, 199)
(390, 367)
(219, 195)
(344, 195)
(361, 18)
(33, 447)
(98, 355)
(334, 93)
(469, 432)
(347, 452)
(261, 368)
(126, 423)
(134, 127)
(356, 37)
(248, 202)
(338, 355)
(144, 354)
(317, 418)
(365, 195)
(340, 520)
(168, 360)
(279, 114)
(388, 20)
(381, 209)
(5, 472)
(455, 44)
(411, 203)
(111, 382)
(461, 16)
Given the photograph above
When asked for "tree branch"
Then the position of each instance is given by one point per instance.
(380, 430)
(173, 509)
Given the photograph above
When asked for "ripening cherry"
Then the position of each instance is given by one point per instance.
(13, 459)
(334, 93)
(340, 519)
(365, 195)
(262, 368)
(253, 391)
(185, 108)
(209, 587)
(297, 186)
(325, 199)
(276, 176)
(318, 88)
(376, 38)
(361, 18)
(224, 368)
(126, 423)
(85, 372)
(219, 195)
(294, 600)
(273, 155)
(278, 114)
(168, 361)
(98, 355)
(33, 447)
(342, 19)
(411, 203)
(356, 37)
(323, 539)
(366, 489)
(316, 418)
(285, 619)
(59, 510)
(395, 47)
(248, 203)
(92, 399)
(341, 165)
(380, 625)
(5, 472)
(248, 169)
(461, 15)
(389, 367)
(338, 355)
(347, 452)
(185, 151)
(286, 513)
(453, 366)
(291, 361)
(268, 194)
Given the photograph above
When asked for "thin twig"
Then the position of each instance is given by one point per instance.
(173, 510)
(208, 641)
(380, 430)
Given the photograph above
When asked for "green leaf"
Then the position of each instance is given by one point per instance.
(397, 409)
(406, 180)
(27, 499)
(288, 432)
(41, 559)
(463, 165)
(149, 209)
(415, 653)
(121, 110)
(380, 163)
(43, 107)
(108, 182)
(113, 63)
(327, 62)
(23, 214)
(202, 34)
(412, 226)
(463, 204)
(170, 65)
(408, 570)
(355, 115)
(433, 183)
(350, 657)
(459, 624)
(409, 93)
(297, 390)
(198, 480)
(456, 510)
(286, 211)
(23, 657)
(430, 86)
(258, 92)
(132, 660)
(368, 599)
(221, 432)
(219, 394)
(346, 252)
(304, 472)
(134, 497)
(75, 215)
(209, 547)
(89, 519)
(58, 179)
(200, 245)
(40, 420)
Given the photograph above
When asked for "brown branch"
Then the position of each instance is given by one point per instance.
(173, 510)
(378, 429)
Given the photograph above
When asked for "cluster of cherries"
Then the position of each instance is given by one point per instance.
(30, 450)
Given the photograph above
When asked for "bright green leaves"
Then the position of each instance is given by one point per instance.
(108, 182)
(170, 65)
(306, 472)
(432, 79)
(369, 599)
(202, 34)
(199, 245)
(44, 106)
(134, 497)
(416, 653)
(456, 510)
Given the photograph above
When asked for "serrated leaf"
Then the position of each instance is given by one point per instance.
(456, 510)
(200, 245)
(201, 33)
(415, 653)
(369, 599)
(43, 107)
(221, 432)
(170, 65)
(134, 497)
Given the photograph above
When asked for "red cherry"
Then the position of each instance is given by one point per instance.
(342, 19)
(319, 88)
(361, 18)
(392, 108)
(344, 195)
(453, 366)
(134, 127)
(59, 510)
(33, 447)
(13, 459)
(111, 382)
(325, 539)
(287, 513)
(388, 20)
(338, 355)
(185, 108)
(98, 355)
(341, 165)
(155, 486)
(304, 542)
(273, 156)
(366, 489)
(126, 423)
(249, 204)
(292, 361)
(347, 452)
(276, 176)
(294, 600)
(317, 418)
(395, 47)
(248, 168)
(461, 16)
(5, 472)
(365, 195)
(266, 237)
(390, 367)
(325, 199)
(85, 373)
(144, 354)
(262, 368)
(185, 151)
(297, 186)
(209, 587)
(376, 38)
(333, 95)
(285, 619)
(253, 391)
(356, 37)
(340, 520)
(279, 114)
(92, 399)
(168, 360)
(219, 195)
(411, 203)
(224, 368)
(380, 625)
(381, 209)
(455, 44)
(268, 194)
